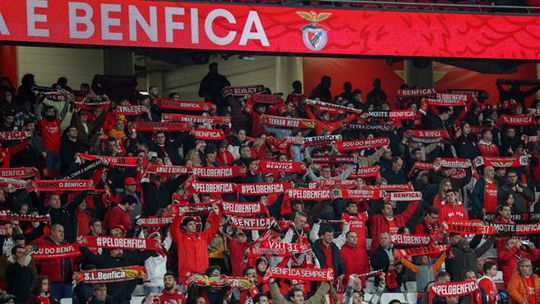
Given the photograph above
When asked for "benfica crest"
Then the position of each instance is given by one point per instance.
(314, 35)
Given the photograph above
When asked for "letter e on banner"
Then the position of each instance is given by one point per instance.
(33, 17)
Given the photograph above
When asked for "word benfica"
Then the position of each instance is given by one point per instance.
(124, 21)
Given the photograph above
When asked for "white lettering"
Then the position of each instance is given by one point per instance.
(3, 27)
(170, 24)
(259, 34)
(194, 25)
(149, 28)
(107, 21)
(75, 20)
(33, 18)
(208, 23)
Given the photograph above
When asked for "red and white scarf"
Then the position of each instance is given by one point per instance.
(361, 144)
(63, 185)
(111, 275)
(213, 120)
(185, 105)
(288, 122)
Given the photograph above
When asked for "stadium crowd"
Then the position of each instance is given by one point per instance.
(254, 197)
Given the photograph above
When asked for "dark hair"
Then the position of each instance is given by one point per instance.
(244, 272)
(93, 221)
(325, 229)
(488, 265)
(211, 269)
(432, 210)
(18, 237)
(257, 297)
(36, 285)
(14, 249)
(442, 274)
(169, 274)
(292, 291)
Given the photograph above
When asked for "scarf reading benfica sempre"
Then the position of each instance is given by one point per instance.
(110, 275)
(303, 274)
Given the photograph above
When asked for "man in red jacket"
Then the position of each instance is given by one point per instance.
(58, 270)
(388, 222)
(121, 214)
(357, 224)
(510, 255)
(192, 246)
(354, 263)
(452, 210)
(486, 282)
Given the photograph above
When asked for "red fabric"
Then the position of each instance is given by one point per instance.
(192, 248)
(355, 260)
(329, 126)
(380, 224)
(238, 261)
(531, 293)
(44, 300)
(453, 212)
(357, 224)
(117, 216)
(83, 220)
(176, 297)
(489, 150)
(50, 133)
(491, 202)
(52, 268)
(437, 201)
(509, 258)
(535, 168)
(490, 289)
(328, 256)
(7, 153)
(224, 158)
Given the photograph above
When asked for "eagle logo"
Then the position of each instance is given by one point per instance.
(314, 35)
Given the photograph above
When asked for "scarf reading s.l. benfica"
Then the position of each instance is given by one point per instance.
(309, 194)
(110, 275)
(470, 227)
(334, 159)
(14, 135)
(212, 187)
(6, 215)
(502, 162)
(252, 223)
(428, 250)
(453, 289)
(263, 188)
(209, 134)
(153, 126)
(154, 221)
(366, 172)
(361, 144)
(406, 93)
(130, 110)
(164, 169)
(427, 136)
(242, 91)
(56, 252)
(185, 105)
(370, 127)
(240, 283)
(114, 161)
(411, 239)
(266, 98)
(277, 166)
(288, 122)
(201, 119)
(318, 103)
(356, 194)
(120, 242)
(219, 172)
(63, 185)
(243, 209)
(448, 100)
(94, 102)
(322, 140)
(517, 120)
(21, 172)
(406, 196)
(303, 274)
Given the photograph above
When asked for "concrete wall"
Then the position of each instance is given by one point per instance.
(47, 64)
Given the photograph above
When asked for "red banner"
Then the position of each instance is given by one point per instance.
(63, 185)
(242, 91)
(288, 122)
(405, 196)
(251, 223)
(185, 105)
(209, 134)
(216, 188)
(448, 100)
(366, 172)
(113, 160)
(421, 251)
(266, 98)
(154, 221)
(411, 239)
(214, 120)
(243, 208)
(219, 172)
(263, 188)
(130, 110)
(407, 93)
(454, 289)
(517, 120)
(164, 169)
(14, 135)
(120, 242)
(360, 144)
(56, 252)
(303, 274)
(21, 172)
(500, 162)
(276, 166)
(309, 194)
(184, 25)
(154, 126)
(6, 215)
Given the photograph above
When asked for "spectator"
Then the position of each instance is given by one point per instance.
(100, 296)
(20, 273)
(383, 258)
(486, 282)
(171, 294)
(120, 215)
(40, 292)
(322, 90)
(464, 257)
(521, 193)
(211, 86)
(512, 253)
(326, 249)
(452, 209)
(296, 295)
(524, 286)
(486, 146)
(485, 195)
(376, 96)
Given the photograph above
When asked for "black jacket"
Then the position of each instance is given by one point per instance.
(19, 281)
(339, 266)
(466, 147)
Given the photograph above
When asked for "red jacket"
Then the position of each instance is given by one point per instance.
(117, 216)
(490, 288)
(380, 224)
(238, 252)
(58, 270)
(453, 212)
(509, 258)
(355, 262)
(489, 150)
(192, 248)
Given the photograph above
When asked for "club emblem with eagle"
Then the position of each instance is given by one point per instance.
(314, 35)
